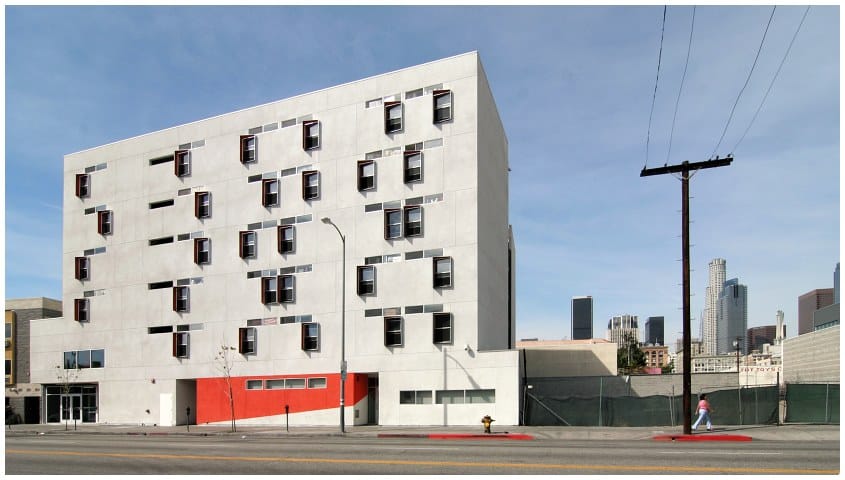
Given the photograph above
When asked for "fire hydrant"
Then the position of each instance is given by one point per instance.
(486, 420)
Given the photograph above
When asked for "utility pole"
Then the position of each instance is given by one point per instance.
(686, 170)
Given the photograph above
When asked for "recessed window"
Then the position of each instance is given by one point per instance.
(82, 268)
(310, 336)
(449, 396)
(80, 309)
(413, 166)
(270, 193)
(287, 287)
(83, 185)
(275, 384)
(180, 299)
(202, 251)
(295, 383)
(310, 185)
(105, 221)
(310, 134)
(413, 221)
(180, 344)
(161, 241)
(286, 235)
(392, 223)
(418, 397)
(269, 290)
(249, 151)
(182, 163)
(442, 105)
(317, 382)
(367, 280)
(161, 204)
(202, 204)
(442, 272)
(392, 331)
(392, 117)
(366, 175)
(247, 244)
(246, 340)
(442, 327)
(254, 384)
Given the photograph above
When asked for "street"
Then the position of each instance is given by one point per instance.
(333, 455)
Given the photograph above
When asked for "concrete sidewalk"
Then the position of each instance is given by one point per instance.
(788, 433)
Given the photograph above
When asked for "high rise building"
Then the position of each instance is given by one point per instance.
(716, 281)
(732, 317)
(621, 327)
(582, 318)
(780, 328)
(654, 331)
(354, 239)
(808, 304)
(757, 336)
(836, 284)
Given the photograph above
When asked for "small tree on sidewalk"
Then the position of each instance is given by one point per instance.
(223, 362)
(66, 377)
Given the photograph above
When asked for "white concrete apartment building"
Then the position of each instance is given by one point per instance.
(207, 235)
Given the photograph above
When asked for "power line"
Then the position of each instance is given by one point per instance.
(656, 81)
(683, 77)
(759, 49)
(773, 79)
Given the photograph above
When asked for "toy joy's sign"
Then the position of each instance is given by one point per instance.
(756, 369)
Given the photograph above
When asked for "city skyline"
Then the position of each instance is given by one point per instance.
(574, 87)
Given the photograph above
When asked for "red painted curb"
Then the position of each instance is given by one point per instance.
(487, 436)
(702, 438)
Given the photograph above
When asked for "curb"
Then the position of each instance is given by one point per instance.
(702, 438)
(460, 436)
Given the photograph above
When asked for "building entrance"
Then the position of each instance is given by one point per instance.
(75, 402)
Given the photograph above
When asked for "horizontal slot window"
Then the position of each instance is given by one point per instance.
(161, 204)
(161, 240)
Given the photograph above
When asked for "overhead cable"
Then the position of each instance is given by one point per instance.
(683, 77)
(656, 81)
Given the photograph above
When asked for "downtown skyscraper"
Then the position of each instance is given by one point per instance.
(711, 298)
(582, 318)
(732, 317)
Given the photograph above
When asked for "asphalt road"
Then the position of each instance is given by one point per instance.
(233, 455)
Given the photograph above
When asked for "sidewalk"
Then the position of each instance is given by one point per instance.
(787, 433)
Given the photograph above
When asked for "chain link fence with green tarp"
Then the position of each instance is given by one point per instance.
(812, 403)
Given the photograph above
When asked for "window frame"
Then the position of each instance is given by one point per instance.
(435, 282)
(105, 222)
(409, 228)
(310, 343)
(181, 299)
(243, 241)
(407, 169)
(387, 224)
(270, 293)
(388, 127)
(285, 246)
(181, 344)
(245, 149)
(388, 331)
(81, 310)
(435, 95)
(308, 191)
(245, 345)
(202, 205)
(198, 251)
(269, 198)
(311, 142)
(361, 283)
(435, 328)
(283, 290)
(182, 163)
(83, 185)
(363, 179)
(82, 268)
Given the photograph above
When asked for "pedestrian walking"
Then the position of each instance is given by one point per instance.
(703, 410)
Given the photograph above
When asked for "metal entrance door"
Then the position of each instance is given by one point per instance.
(71, 407)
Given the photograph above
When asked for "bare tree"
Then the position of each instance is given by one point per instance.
(66, 377)
(223, 362)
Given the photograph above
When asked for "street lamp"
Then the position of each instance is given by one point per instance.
(328, 221)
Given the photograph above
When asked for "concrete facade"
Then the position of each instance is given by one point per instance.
(463, 205)
(809, 303)
(567, 358)
(812, 357)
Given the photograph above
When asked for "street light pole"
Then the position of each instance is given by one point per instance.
(328, 221)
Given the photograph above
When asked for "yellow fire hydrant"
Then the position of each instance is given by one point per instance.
(486, 420)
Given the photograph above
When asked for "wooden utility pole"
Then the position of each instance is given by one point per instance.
(686, 170)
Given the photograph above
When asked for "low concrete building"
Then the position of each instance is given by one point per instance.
(812, 357)
(568, 358)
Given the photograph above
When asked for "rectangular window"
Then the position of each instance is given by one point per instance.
(418, 397)
(481, 396)
(70, 360)
(317, 382)
(442, 105)
(180, 344)
(248, 148)
(310, 185)
(442, 272)
(8, 331)
(161, 241)
(286, 288)
(450, 396)
(392, 117)
(247, 243)
(392, 331)
(202, 204)
(83, 185)
(82, 268)
(310, 336)
(310, 134)
(413, 221)
(269, 290)
(295, 383)
(246, 340)
(392, 223)
(98, 359)
(104, 222)
(202, 251)
(413, 166)
(270, 193)
(442, 327)
(367, 280)
(275, 384)
(161, 204)
(286, 237)
(366, 175)
(182, 163)
(160, 160)
(254, 384)
(80, 309)
(180, 299)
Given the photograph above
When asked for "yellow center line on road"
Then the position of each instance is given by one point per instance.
(538, 466)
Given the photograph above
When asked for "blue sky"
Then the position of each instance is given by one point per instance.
(574, 89)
